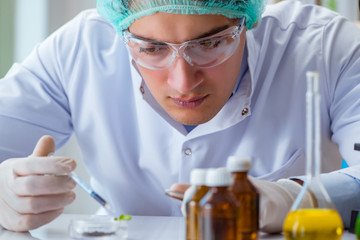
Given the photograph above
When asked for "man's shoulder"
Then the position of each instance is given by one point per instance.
(91, 18)
(303, 16)
(87, 26)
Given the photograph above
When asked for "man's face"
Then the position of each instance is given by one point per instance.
(189, 94)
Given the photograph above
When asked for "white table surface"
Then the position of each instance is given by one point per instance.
(139, 228)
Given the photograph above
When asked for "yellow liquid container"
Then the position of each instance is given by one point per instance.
(313, 224)
(312, 215)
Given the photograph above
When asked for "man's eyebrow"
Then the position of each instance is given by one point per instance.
(213, 31)
(206, 34)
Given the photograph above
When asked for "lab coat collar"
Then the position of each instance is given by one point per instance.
(253, 47)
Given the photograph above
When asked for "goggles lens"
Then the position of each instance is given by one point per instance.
(204, 52)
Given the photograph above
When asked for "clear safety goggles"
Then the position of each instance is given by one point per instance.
(204, 52)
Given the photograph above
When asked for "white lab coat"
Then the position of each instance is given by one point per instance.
(80, 80)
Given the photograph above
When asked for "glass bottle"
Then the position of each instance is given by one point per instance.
(198, 179)
(322, 221)
(357, 221)
(219, 207)
(357, 227)
(248, 197)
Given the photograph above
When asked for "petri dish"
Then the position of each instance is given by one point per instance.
(98, 228)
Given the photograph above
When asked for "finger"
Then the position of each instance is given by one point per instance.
(179, 187)
(13, 221)
(34, 221)
(43, 165)
(42, 204)
(177, 191)
(173, 194)
(44, 146)
(35, 185)
(22, 223)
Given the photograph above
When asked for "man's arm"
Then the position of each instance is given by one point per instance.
(344, 191)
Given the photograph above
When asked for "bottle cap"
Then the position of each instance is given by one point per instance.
(218, 177)
(198, 176)
(238, 164)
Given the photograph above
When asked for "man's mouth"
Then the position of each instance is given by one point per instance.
(189, 103)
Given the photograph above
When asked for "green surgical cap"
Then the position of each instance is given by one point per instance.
(121, 13)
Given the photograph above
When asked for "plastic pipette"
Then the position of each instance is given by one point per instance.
(90, 191)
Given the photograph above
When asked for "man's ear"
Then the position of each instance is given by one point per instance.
(254, 25)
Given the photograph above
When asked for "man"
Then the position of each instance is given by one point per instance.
(176, 87)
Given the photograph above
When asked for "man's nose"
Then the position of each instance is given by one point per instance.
(183, 77)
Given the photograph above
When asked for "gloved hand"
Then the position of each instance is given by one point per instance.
(276, 199)
(31, 192)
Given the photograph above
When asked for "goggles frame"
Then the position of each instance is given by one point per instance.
(179, 49)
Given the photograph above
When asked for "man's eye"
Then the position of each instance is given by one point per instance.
(149, 50)
(153, 49)
(210, 43)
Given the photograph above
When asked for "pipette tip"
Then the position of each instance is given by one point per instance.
(108, 207)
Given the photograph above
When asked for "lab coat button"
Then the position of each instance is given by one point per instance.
(188, 151)
(244, 111)
(142, 90)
